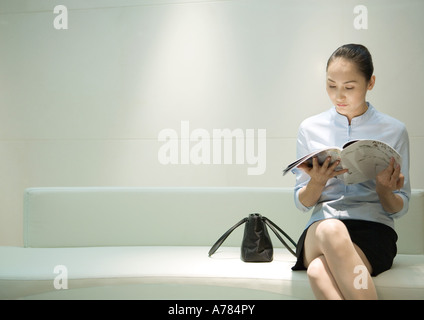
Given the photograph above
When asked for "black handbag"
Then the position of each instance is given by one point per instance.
(256, 245)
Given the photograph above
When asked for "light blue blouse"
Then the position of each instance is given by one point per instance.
(357, 201)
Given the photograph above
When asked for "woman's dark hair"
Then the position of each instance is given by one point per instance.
(358, 54)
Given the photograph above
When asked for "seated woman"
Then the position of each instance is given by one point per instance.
(351, 229)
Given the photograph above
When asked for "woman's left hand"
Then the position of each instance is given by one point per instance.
(390, 179)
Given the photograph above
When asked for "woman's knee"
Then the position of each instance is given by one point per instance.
(316, 268)
(329, 227)
(332, 234)
(324, 237)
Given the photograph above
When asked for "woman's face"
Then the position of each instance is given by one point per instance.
(347, 88)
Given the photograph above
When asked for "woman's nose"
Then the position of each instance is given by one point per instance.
(340, 95)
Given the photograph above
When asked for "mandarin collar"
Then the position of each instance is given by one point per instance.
(341, 119)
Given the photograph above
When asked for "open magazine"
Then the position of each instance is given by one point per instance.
(363, 158)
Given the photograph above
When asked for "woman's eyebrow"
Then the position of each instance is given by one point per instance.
(343, 82)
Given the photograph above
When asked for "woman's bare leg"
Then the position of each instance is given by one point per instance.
(322, 282)
(331, 258)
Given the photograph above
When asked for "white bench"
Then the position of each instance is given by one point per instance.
(92, 240)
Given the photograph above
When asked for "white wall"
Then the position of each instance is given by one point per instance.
(84, 106)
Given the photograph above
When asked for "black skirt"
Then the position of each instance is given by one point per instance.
(376, 240)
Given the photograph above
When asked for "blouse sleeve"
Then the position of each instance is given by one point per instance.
(405, 191)
(302, 178)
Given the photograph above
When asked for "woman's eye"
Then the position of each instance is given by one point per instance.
(332, 87)
(350, 88)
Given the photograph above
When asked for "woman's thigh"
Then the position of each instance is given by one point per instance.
(363, 258)
(329, 233)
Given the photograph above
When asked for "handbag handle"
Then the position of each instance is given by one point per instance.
(274, 228)
(225, 235)
(268, 222)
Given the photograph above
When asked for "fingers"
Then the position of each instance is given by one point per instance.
(307, 167)
(321, 168)
(315, 163)
(391, 164)
(304, 166)
(327, 168)
(395, 174)
(394, 170)
(326, 163)
(400, 182)
(391, 178)
(333, 167)
(339, 172)
(397, 177)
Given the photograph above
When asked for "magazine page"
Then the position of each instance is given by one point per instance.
(365, 159)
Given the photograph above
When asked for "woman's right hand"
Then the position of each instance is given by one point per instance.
(320, 174)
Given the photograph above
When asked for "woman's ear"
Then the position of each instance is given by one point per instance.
(371, 83)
